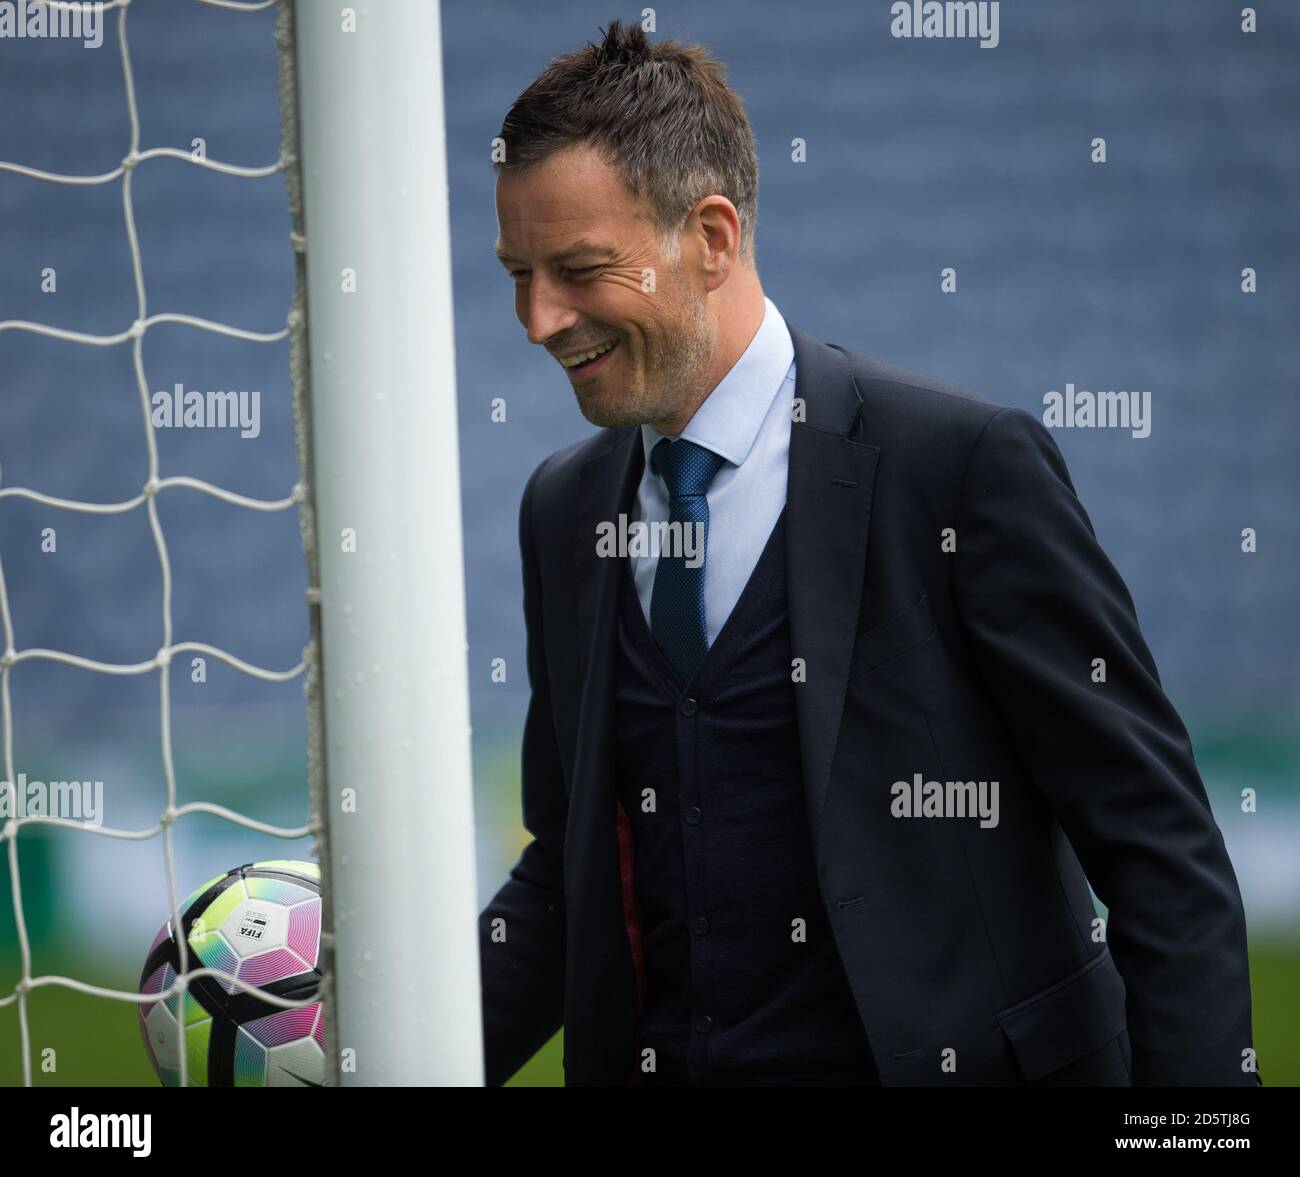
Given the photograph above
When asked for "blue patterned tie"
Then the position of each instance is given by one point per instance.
(677, 602)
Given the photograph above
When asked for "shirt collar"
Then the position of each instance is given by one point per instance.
(728, 420)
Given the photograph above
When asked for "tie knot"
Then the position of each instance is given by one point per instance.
(685, 467)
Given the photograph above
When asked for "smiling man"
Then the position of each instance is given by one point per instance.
(900, 597)
(642, 336)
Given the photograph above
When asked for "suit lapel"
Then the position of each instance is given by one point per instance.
(606, 487)
(828, 515)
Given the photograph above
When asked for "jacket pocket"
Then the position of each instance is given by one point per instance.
(1070, 1018)
(891, 638)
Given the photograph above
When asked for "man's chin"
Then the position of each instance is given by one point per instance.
(597, 410)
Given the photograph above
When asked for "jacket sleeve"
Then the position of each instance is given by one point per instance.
(521, 932)
(1040, 601)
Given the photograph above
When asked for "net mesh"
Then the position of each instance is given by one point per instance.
(299, 498)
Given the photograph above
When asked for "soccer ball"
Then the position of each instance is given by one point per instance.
(260, 923)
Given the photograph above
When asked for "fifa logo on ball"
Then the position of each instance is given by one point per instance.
(254, 925)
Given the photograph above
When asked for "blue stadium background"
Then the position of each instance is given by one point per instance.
(920, 155)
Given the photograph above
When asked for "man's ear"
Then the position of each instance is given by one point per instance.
(715, 224)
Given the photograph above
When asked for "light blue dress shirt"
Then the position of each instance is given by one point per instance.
(745, 419)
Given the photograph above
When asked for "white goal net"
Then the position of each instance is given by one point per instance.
(393, 818)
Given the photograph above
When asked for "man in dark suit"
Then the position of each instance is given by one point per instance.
(837, 705)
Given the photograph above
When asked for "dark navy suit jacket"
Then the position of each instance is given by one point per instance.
(975, 955)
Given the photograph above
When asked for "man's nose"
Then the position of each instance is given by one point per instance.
(546, 313)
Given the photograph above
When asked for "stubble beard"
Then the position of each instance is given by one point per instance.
(676, 372)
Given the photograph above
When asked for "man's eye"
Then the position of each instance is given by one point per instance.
(585, 270)
(515, 275)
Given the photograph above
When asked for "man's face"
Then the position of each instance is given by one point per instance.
(588, 271)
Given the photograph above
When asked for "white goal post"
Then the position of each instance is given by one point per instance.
(397, 802)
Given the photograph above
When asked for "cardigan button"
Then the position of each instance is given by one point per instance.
(703, 1024)
(689, 706)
